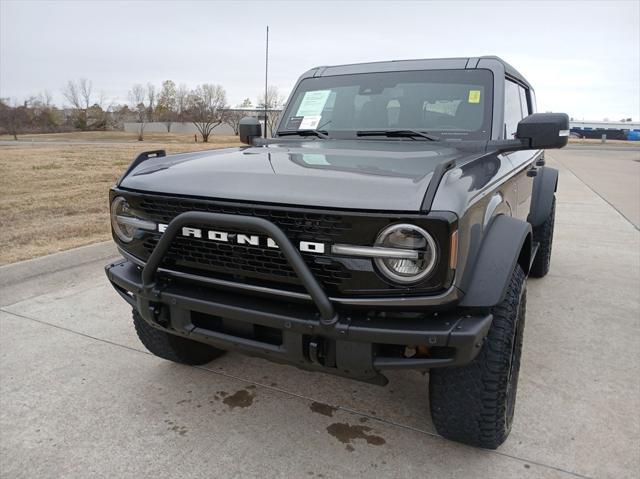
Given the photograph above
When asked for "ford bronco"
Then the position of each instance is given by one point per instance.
(390, 222)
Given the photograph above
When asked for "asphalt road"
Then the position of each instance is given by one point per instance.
(80, 397)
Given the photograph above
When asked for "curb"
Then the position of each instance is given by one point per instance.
(23, 270)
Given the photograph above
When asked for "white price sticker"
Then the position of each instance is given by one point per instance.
(309, 123)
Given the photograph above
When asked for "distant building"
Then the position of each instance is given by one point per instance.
(614, 130)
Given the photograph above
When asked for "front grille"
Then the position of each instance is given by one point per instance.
(296, 225)
(242, 261)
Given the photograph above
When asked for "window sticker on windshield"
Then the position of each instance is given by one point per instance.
(313, 102)
(309, 122)
(474, 96)
(294, 123)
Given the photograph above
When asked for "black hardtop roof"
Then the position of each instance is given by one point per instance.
(417, 64)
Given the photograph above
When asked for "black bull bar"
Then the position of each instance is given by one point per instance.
(348, 340)
(308, 280)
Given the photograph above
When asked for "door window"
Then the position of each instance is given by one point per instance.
(523, 102)
(512, 109)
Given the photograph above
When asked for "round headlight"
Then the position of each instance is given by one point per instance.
(120, 210)
(411, 238)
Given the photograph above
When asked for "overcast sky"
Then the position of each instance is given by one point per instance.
(582, 57)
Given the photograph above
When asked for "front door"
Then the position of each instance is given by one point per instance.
(518, 105)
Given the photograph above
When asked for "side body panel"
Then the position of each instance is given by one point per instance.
(478, 192)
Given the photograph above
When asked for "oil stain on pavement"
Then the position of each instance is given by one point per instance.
(322, 408)
(172, 426)
(242, 399)
(346, 434)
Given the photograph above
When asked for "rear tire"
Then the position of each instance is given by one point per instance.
(171, 347)
(474, 404)
(543, 235)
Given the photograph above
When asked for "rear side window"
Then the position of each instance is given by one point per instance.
(523, 102)
(512, 109)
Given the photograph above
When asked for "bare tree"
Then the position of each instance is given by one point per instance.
(14, 118)
(182, 94)
(44, 116)
(233, 117)
(85, 87)
(137, 97)
(44, 98)
(71, 92)
(207, 106)
(151, 104)
(167, 104)
(80, 95)
(246, 103)
(274, 101)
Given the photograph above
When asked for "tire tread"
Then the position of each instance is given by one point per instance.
(171, 347)
(468, 404)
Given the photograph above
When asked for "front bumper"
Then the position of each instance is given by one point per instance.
(314, 336)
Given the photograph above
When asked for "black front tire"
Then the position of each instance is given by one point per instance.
(171, 347)
(474, 404)
(543, 235)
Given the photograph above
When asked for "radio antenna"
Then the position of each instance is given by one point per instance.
(266, 76)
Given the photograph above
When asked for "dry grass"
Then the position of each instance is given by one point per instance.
(54, 197)
(118, 136)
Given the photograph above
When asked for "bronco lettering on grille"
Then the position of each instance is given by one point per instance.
(243, 239)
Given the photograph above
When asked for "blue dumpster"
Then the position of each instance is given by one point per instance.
(634, 135)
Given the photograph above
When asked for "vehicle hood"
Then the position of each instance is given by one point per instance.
(351, 174)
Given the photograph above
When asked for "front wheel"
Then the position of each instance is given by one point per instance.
(171, 347)
(474, 404)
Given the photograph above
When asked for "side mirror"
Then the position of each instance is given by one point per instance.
(249, 129)
(544, 130)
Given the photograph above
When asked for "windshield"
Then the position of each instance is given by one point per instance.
(452, 104)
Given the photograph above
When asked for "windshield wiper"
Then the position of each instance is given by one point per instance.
(318, 133)
(398, 134)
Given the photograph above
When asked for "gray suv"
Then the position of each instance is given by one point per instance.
(390, 223)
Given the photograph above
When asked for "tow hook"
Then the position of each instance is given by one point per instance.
(314, 354)
(322, 352)
(159, 314)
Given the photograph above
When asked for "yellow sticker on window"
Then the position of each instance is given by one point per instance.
(474, 96)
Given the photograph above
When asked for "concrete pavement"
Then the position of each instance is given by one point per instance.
(80, 397)
(611, 172)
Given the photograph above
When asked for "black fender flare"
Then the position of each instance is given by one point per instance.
(545, 185)
(507, 243)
